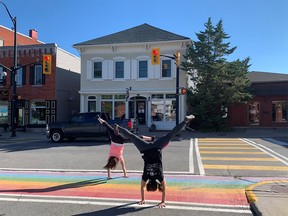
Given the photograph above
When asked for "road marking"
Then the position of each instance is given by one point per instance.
(229, 152)
(199, 161)
(236, 167)
(119, 202)
(191, 158)
(240, 159)
(264, 148)
(227, 147)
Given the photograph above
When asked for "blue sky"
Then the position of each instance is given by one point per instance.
(259, 28)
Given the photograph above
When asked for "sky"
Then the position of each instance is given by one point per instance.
(259, 28)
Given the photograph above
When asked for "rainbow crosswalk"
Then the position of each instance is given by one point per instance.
(184, 188)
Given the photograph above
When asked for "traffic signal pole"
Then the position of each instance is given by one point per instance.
(177, 94)
(13, 76)
(177, 61)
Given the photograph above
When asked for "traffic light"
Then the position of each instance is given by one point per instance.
(183, 91)
(177, 58)
(47, 64)
(155, 56)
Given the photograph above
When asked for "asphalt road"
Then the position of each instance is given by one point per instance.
(239, 159)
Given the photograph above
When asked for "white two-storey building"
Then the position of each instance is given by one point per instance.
(118, 77)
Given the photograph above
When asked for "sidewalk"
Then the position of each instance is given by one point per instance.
(266, 198)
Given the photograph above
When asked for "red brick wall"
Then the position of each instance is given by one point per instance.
(8, 37)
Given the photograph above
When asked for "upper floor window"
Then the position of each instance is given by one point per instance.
(2, 76)
(21, 76)
(119, 69)
(36, 75)
(97, 70)
(143, 69)
(166, 68)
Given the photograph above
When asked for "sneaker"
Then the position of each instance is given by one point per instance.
(189, 118)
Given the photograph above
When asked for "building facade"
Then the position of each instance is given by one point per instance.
(269, 106)
(118, 77)
(41, 98)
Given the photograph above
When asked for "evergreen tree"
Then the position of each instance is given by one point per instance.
(217, 83)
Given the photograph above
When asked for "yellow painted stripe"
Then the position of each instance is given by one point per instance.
(228, 144)
(229, 152)
(236, 167)
(249, 190)
(228, 147)
(238, 159)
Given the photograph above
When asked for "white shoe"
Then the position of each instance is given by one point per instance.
(189, 118)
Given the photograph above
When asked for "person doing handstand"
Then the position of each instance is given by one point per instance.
(116, 148)
(153, 177)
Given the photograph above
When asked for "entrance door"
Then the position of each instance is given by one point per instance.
(137, 109)
(20, 117)
(254, 110)
(141, 111)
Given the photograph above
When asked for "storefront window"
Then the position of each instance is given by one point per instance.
(157, 107)
(37, 112)
(254, 110)
(106, 106)
(279, 111)
(3, 112)
(119, 110)
(170, 107)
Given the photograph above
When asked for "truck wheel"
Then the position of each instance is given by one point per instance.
(57, 136)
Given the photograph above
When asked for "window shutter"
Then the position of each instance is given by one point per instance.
(43, 78)
(31, 75)
(127, 69)
(158, 71)
(150, 71)
(110, 69)
(173, 68)
(89, 70)
(105, 69)
(24, 75)
(134, 69)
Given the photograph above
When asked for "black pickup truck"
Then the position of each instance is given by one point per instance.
(85, 125)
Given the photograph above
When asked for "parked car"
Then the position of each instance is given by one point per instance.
(85, 125)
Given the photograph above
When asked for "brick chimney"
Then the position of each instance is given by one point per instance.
(33, 34)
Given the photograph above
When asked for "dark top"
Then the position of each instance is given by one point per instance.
(115, 138)
(153, 168)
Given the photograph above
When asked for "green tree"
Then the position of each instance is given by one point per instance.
(217, 83)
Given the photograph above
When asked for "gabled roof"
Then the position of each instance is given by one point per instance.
(138, 34)
(256, 77)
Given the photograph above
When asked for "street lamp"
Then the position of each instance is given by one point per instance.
(13, 76)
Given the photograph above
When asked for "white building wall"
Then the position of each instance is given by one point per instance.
(145, 87)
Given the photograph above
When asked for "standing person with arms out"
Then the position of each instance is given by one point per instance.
(116, 148)
(153, 177)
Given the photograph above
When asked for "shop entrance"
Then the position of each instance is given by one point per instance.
(254, 110)
(137, 109)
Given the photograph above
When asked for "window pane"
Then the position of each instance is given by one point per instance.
(91, 106)
(279, 111)
(106, 106)
(119, 96)
(3, 112)
(106, 96)
(157, 109)
(119, 111)
(19, 77)
(97, 69)
(166, 68)
(170, 113)
(38, 109)
(143, 71)
(38, 75)
(119, 73)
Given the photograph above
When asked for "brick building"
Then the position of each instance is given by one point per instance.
(42, 98)
(269, 106)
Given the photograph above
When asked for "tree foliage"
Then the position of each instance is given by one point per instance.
(217, 83)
